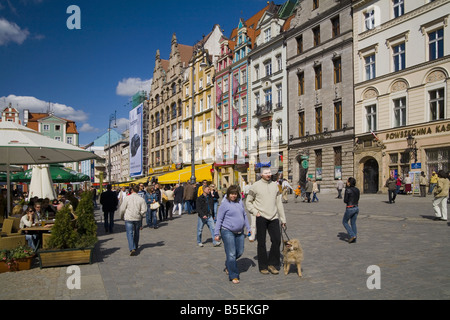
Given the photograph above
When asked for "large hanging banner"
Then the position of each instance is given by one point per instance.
(136, 141)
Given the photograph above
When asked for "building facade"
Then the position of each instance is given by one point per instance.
(320, 92)
(401, 70)
(268, 107)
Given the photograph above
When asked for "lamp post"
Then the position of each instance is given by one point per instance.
(111, 118)
(412, 147)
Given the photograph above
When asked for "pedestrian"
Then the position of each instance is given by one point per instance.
(231, 220)
(398, 184)
(264, 201)
(441, 196)
(285, 187)
(178, 199)
(188, 197)
(315, 190)
(109, 202)
(391, 184)
(298, 192)
(169, 203)
(423, 184)
(339, 188)
(215, 196)
(94, 196)
(205, 206)
(407, 182)
(133, 209)
(433, 181)
(351, 199)
(150, 216)
(308, 190)
(160, 201)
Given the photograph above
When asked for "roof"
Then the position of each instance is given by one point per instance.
(33, 122)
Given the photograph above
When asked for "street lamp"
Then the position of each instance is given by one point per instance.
(111, 118)
(412, 146)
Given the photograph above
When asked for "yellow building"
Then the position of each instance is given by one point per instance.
(198, 97)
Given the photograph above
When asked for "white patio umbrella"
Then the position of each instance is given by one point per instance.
(21, 145)
(41, 184)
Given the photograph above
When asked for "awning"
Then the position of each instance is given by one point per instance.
(202, 172)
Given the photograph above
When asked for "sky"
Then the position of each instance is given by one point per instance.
(91, 70)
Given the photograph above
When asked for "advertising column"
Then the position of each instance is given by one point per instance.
(136, 141)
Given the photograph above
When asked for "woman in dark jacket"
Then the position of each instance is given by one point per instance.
(351, 199)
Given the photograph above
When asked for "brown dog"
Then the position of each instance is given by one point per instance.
(292, 254)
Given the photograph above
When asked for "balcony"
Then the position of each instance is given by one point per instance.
(264, 110)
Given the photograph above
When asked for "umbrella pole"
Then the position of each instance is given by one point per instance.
(8, 184)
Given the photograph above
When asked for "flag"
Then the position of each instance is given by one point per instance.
(374, 135)
(235, 85)
(218, 122)
(218, 94)
(235, 117)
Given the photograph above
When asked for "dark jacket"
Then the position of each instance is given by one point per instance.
(188, 192)
(391, 184)
(109, 201)
(351, 196)
(204, 206)
(178, 194)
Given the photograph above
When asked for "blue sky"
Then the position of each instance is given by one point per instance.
(87, 74)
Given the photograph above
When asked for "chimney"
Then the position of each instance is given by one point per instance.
(26, 114)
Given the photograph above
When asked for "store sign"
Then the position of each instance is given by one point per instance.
(421, 131)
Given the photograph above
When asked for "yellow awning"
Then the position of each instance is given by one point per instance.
(141, 180)
(202, 172)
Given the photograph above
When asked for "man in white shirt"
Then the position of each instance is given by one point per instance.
(132, 210)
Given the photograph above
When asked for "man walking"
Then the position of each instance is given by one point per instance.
(205, 207)
(133, 209)
(188, 196)
(109, 202)
(423, 184)
(339, 187)
(264, 202)
(308, 189)
(391, 184)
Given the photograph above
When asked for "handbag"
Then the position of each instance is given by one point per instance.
(154, 206)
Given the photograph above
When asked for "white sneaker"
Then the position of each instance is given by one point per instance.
(200, 244)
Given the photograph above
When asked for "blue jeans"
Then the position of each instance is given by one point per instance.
(132, 228)
(200, 224)
(188, 204)
(315, 196)
(216, 205)
(350, 214)
(150, 218)
(234, 248)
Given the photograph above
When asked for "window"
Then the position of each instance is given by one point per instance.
(69, 140)
(371, 118)
(337, 70)
(58, 138)
(301, 83)
(369, 19)
(338, 115)
(301, 124)
(268, 67)
(279, 96)
(208, 101)
(57, 127)
(299, 44)
(436, 104)
(438, 159)
(319, 123)
(46, 127)
(399, 8)
(269, 132)
(257, 73)
(279, 63)
(243, 76)
(399, 57)
(370, 66)
(316, 35)
(267, 35)
(335, 27)
(268, 97)
(400, 112)
(318, 77)
(436, 44)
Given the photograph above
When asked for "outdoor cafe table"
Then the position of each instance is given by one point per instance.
(39, 230)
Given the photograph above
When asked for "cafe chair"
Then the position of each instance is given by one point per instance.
(12, 242)
(8, 228)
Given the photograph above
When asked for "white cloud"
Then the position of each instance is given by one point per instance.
(11, 32)
(86, 127)
(128, 87)
(122, 124)
(35, 105)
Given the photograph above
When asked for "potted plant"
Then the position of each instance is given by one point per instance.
(17, 259)
(73, 235)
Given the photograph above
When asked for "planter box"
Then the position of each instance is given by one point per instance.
(21, 264)
(65, 257)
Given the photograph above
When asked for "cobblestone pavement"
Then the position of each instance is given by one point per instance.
(411, 250)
